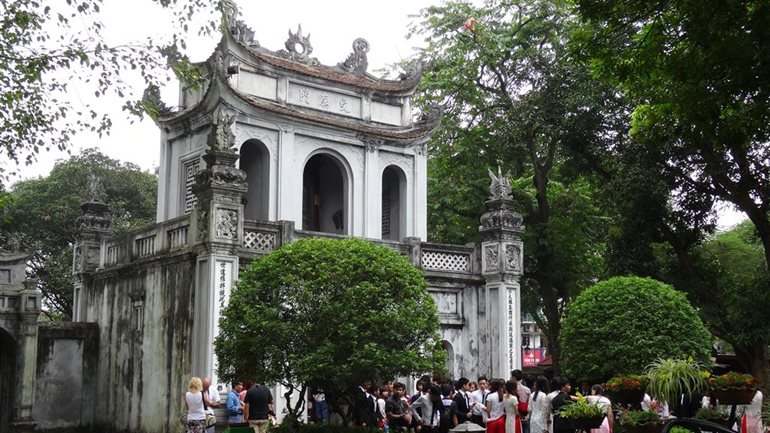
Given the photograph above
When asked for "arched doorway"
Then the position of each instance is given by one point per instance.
(8, 372)
(393, 203)
(255, 161)
(450, 359)
(324, 202)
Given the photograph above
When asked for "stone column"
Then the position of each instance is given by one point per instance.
(372, 187)
(218, 226)
(501, 265)
(29, 311)
(95, 225)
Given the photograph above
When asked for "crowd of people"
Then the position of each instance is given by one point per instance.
(521, 404)
(498, 405)
(247, 403)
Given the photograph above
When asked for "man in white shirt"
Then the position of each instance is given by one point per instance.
(479, 401)
(211, 395)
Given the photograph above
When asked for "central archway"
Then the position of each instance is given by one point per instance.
(324, 198)
(8, 372)
(255, 161)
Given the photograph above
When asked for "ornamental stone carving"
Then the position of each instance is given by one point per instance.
(371, 143)
(500, 188)
(356, 63)
(299, 48)
(221, 137)
(226, 224)
(513, 258)
(491, 260)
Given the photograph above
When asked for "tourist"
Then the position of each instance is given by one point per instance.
(479, 401)
(539, 406)
(562, 398)
(397, 409)
(472, 387)
(462, 401)
(380, 395)
(320, 407)
(210, 400)
(246, 387)
(193, 403)
(511, 406)
(495, 410)
(448, 402)
(523, 392)
(233, 404)
(363, 405)
(430, 410)
(597, 397)
(258, 407)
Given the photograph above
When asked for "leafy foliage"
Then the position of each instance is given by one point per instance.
(625, 323)
(733, 380)
(638, 417)
(698, 83)
(581, 409)
(513, 96)
(50, 47)
(670, 378)
(41, 214)
(329, 314)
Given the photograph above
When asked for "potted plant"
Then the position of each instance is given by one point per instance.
(733, 388)
(670, 378)
(640, 421)
(582, 415)
(713, 414)
(626, 389)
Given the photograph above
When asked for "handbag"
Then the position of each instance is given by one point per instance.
(210, 420)
(183, 418)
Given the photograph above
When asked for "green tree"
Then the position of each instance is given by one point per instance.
(621, 325)
(729, 287)
(329, 314)
(698, 80)
(47, 48)
(514, 97)
(41, 214)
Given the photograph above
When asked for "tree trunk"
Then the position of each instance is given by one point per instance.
(754, 358)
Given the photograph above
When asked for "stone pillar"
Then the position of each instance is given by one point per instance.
(94, 226)
(29, 311)
(218, 226)
(372, 187)
(501, 265)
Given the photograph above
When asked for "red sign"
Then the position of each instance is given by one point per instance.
(531, 357)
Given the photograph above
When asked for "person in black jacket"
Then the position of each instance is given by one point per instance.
(363, 406)
(561, 425)
(462, 407)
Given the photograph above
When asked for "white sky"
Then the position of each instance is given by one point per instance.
(332, 24)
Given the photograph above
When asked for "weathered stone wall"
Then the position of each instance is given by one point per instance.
(144, 311)
(65, 389)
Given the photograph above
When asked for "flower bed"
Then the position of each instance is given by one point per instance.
(733, 388)
(626, 389)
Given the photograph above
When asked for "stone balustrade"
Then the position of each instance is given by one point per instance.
(147, 242)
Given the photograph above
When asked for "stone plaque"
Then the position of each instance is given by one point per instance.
(324, 100)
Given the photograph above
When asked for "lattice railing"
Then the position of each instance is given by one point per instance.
(446, 261)
(258, 241)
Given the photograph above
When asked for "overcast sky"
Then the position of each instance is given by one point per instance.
(332, 24)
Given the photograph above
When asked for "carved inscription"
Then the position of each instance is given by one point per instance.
(324, 100)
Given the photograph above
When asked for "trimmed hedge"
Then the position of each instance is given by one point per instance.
(621, 325)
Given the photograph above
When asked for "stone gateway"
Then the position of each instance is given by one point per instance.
(272, 147)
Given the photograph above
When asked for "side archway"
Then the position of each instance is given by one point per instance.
(325, 186)
(450, 359)
(255, 161)
(393, 218)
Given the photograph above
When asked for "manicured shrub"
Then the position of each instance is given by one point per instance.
(621, 325)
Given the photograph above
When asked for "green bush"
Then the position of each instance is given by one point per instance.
(621, 325)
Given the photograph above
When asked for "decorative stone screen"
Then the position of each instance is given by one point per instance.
(385, 213)
(259, 241)
(190, 168)
(445, 261)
